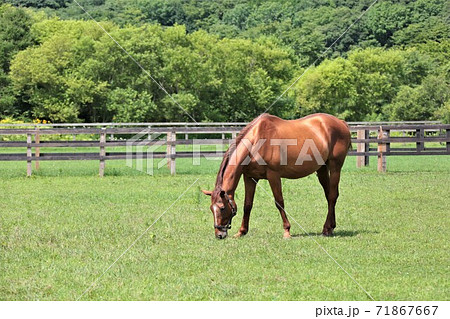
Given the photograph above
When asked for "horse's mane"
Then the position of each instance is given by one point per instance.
(232, 148)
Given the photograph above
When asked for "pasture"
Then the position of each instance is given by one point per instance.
(61, 228)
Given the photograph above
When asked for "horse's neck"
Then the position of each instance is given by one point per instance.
(233, 171)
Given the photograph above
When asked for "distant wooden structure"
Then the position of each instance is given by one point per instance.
(371, 139)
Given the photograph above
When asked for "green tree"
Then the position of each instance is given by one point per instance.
(384, 19)
(128, 105)
(359, 87)
(55, 4)
(48, 77)
(78, 73)
(429, 100)
(15, 35)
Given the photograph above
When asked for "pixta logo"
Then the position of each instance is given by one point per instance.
(141, 151)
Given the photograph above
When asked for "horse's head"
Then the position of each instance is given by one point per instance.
(224, 209)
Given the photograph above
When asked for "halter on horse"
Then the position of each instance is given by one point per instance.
(233, 208)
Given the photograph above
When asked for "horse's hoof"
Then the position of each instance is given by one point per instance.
(287, 235)
(239, 234)
(327, 233)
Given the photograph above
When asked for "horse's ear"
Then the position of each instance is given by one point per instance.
(222, 193)
(207, 192)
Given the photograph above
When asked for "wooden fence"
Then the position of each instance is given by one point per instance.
(371, 140)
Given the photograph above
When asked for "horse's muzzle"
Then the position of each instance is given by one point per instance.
(221, 234)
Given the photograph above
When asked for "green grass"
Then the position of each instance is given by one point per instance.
(61, 228)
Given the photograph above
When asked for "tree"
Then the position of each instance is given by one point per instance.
(385, 19)
(48, 76)
(359, 87)
(432, 29)
(15, 35)
(430, 100)
(220, 60)
(78, 73)
(55, 4)
(128, 105)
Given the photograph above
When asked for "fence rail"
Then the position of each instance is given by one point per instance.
(105, 135)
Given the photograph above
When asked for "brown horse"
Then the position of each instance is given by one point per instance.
(271, 148)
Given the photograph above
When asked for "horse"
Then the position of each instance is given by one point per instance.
(272, 148)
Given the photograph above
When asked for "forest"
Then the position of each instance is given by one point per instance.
(223, 60)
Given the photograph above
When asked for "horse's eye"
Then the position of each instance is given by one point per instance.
(222, 208)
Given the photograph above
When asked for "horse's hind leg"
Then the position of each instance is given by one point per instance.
(250, 186)
(275, 185)
(334, 168)
(324, 178)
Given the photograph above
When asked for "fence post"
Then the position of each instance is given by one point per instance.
(168, 149)
(37, 150)
(447, 133)
(362, 160)
(387, 134)
(171, 151)
(29, 155)
(102, 152)
(381, 151)
(420, 134)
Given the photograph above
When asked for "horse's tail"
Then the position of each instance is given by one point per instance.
(350, 147)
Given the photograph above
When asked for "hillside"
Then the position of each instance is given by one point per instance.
(224, 60)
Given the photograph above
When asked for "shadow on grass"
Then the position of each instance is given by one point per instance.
(338, 233)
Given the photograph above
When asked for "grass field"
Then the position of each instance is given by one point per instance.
(62, 228)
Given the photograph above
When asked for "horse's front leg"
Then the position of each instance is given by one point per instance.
(250, 186)
(275, 185)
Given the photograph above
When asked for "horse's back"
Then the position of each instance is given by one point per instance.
(330, 134)
(319, 123)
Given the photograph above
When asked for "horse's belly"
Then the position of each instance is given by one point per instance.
(297, 163)
(255, 170)
(298, 171)
(293, 168)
